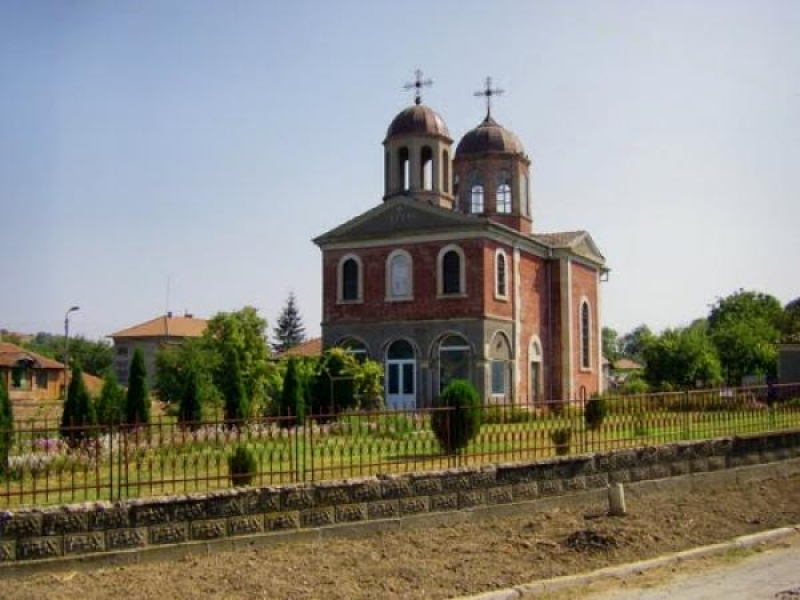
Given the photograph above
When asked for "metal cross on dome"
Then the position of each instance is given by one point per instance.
(417, 86)
(488, 92)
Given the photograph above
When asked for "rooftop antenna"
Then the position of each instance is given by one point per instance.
(488, 92)
(417, 85)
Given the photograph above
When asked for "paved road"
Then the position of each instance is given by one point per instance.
(773, 574)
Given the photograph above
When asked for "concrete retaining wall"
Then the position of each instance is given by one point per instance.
(98, 528)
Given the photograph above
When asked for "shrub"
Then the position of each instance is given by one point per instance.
(595, 413)
(6, 426)
(242, 466)
(501, 415)
(334, 387)
(562, 440)
(79, 420)
(454, 428)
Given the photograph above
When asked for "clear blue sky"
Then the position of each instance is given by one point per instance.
(206, 143)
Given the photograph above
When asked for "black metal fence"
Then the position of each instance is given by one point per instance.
(47, 464)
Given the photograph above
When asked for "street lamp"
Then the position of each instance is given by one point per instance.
(66, 348)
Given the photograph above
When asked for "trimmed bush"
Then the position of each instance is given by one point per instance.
(562, 440)
(6, 426)
(242, 466)
(110, 405)
(293, 395)
(459, 419)
(595, 413)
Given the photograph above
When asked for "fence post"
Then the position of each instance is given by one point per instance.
(686, 405)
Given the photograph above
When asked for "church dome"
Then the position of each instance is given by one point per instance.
(416, 120)
(489, 137)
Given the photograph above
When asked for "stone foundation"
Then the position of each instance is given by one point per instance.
(105, 528)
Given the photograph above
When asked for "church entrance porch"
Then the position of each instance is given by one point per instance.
(401, 376)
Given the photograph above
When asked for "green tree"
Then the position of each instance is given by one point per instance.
(137, 401)
(111, 403)
(745, 328)
(334, 387)
(78, 420)
(93, 356)
(790, 325)
(633, 343)
(176, 363)
(458, 419)
(293, 395)
(681, 358)
(6, 425)
(242, 333)
(191, 408)
(290, 331)
(234, 392)
(610, 344)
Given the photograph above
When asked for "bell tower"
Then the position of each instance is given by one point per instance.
(417, 152)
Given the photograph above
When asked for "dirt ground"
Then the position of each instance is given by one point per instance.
(440, 561)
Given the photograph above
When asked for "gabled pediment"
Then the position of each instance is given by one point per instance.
(399, 215)
(585, 246)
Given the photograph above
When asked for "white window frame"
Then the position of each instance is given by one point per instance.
(340, 280)
(497, 255)
(585, 334)
(390, 295)
(462, 273)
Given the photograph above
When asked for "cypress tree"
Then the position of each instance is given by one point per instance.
(190, 410)
(79, 419)
(292, 395)
(109, 406)
(237, 406)
(6, 425)
(137, 402)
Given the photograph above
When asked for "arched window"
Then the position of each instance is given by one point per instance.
(500, 287)
(503, 194)
(454, 360)
(403, 168)
(349, 285)
(399, 275)
(586, 337)
(535, 375)
(500, 374)
(451, 273)
(446, 171)
(426, 168)
(526, 203)
(476, 199)
(474, 193)
(355, 347)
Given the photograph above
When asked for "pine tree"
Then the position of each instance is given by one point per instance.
(79, 419)
(6, 426)
(290, 331)
(137, 402)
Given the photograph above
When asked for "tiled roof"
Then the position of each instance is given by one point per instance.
(10, 354)
(165, 326)
(312, 347)
(559, 239)
(626, 364)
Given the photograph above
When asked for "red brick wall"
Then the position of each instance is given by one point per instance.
(425, 304)
(584, 285)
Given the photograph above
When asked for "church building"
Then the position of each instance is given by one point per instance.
(448, 277)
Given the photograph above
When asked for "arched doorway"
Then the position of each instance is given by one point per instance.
(401, 376)
(535, 361)
(454, 360)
